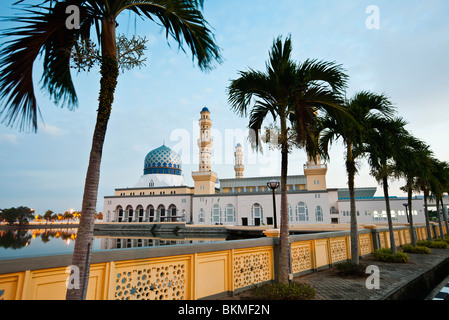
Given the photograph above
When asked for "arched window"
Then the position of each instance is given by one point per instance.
(256, 214)
(230, 213)
(172, 211)
(140, 213)
(302, 213)
(130, 212)
(215, 214)
(318, 214)
(119, 212)
(201, 216)
(161, 212)
(150, 210)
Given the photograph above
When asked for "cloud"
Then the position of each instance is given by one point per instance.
(52, 130)
(8, 138)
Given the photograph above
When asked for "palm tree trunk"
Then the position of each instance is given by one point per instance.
(412, 227)
(350, 167)
(84, 240)
(426, 214)
(443, 209)
(439, 217)
(390, 222)
(284, 250)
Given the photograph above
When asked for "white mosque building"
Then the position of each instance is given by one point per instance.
(161, 194)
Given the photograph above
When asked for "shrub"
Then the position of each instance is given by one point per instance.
(437, 243)
(418, 249)
(277, 291)
(424, 243)
(349, 269)
(386, 255)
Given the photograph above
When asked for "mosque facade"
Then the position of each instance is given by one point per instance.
(162, 195)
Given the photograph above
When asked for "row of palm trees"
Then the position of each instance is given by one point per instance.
(308, 98)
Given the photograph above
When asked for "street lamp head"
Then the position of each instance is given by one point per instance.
(405, 205)
(273, 184)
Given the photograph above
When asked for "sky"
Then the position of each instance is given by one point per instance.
(399, 48)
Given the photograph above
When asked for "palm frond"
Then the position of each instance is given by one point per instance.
(43, 31)
(251, 84)
(324, 73)
(184, 22)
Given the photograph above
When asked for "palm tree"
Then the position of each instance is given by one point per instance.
(424, 157)
(43, 30)
(410, 167)
(444, 178)
(381, 146)
(439, 185)
(360, 115)
(278, 92)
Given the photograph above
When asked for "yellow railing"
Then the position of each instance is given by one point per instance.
(188, 272)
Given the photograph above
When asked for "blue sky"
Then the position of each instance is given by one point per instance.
(406, 58)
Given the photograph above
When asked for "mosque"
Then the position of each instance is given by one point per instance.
(162, 195)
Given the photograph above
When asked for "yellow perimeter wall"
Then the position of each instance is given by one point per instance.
(191, 276)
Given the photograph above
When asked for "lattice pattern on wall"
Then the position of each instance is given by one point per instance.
(338, 250)
(365, 245)
(252, 268)
(382, 239)
(397, 238)
(408, 239)
(159, 282)
(301, 257)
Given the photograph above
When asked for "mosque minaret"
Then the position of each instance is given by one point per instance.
(239, 167)
(205, 178)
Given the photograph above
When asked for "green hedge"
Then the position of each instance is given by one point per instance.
(418, 249)
(437, 244)
(386, 255)
(277, 291)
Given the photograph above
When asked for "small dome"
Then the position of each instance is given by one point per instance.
(205, 109)
(163, 160)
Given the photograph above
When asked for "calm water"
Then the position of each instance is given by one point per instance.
(32, 243)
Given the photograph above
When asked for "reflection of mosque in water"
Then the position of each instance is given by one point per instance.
(129, 242)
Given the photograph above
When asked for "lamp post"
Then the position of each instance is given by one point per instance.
(406, 211)
(273, 185)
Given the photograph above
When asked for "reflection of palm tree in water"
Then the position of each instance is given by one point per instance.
(15, 239)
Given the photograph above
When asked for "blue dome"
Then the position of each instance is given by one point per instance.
(163, 160)
(205, 109)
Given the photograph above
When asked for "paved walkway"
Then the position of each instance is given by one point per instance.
(393, 276)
